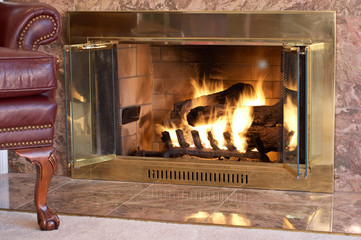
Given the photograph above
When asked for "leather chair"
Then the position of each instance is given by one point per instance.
(28, 81)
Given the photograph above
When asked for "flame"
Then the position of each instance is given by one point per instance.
(242, 119)
(205, 89)
(260, 98)
(290, 121)
(237, 119)
(171, 129)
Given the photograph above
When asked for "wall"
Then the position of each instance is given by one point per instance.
(348, 69)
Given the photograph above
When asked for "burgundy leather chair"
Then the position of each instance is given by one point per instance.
(28, 81)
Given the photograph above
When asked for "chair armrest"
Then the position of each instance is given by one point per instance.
(28, 25)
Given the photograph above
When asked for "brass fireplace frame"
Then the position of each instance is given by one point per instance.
(315, 30)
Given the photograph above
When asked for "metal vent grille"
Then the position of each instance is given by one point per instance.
(197, 176)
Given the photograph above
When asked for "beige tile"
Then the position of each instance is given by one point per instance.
(129, 129)
(135, 91)
(174, 70)
(129, 145)
(236, 72)
(270, 73)
(127, 62)
(143, 59)
(155, 53)
(166, 102)
(145, 123)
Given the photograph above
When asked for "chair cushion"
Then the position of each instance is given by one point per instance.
(27, 122)
(25, 73)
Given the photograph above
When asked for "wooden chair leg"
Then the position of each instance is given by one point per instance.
(46, 161)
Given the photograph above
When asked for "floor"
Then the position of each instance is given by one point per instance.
(339, 212)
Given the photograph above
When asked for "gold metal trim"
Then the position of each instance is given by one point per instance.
(313, 29)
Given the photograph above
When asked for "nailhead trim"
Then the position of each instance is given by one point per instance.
(24, 128)
(22, 34)
(4, 145)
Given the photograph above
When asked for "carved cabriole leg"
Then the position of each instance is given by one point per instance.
(46, 161)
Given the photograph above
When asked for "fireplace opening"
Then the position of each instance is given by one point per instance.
(219, 103)
(157, 97)
(228, 103)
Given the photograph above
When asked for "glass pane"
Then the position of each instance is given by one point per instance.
(294, 109)
(90, 103)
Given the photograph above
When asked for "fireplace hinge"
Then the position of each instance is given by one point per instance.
(90, 46)
(295, 49)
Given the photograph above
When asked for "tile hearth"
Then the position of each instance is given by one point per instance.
(338, 212)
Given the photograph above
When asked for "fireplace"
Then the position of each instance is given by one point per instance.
(232, 99)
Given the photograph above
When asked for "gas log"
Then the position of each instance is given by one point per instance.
(265, 133)
(229, 95)
(263, 115)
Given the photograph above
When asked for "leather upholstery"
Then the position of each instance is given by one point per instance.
(27, 122)
(28, 79)
(25, 73)
(27, 25)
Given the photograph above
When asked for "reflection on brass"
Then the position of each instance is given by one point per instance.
(290, 49)
(158, 170)
(101, 30)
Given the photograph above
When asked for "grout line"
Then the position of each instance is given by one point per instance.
(319, 206)
(219, 206)
(136, 195)
(55, 188)
(49, 191)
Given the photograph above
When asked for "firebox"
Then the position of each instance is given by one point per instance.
(233, 99)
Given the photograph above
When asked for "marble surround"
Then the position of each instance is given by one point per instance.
(348, 70)
(301, 211)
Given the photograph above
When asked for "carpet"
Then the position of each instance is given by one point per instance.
(22, 225)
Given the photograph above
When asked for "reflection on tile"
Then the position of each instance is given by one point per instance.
(322, 220)
(264, 208)
(174, 203)
(280, 197)
(90, 197)
(266, 215)
(21, 188)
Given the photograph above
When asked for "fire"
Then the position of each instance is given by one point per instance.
(260, 98)
(242, 119)
(205, 89)
(237, 119)
(290, 111)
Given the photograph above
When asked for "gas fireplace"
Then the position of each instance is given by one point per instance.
(237, 99)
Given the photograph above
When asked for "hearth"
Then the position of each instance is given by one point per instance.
(208, 98)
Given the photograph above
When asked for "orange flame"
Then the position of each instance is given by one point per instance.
(290, 121)
(237, 119)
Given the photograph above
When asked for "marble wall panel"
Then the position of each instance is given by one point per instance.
(348, 67)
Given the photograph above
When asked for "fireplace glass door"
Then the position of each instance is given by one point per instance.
(239, 104)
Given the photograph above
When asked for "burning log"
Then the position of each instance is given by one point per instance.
(212, 141)
(210, 153)
(230, 95)
(267, 139)
(262, 115)
(229, 144)
(196, 139)
(167, 140)
(181, 139)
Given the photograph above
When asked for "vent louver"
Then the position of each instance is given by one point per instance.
(196, 176)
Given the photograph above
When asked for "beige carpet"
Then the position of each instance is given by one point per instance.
(20, 225)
